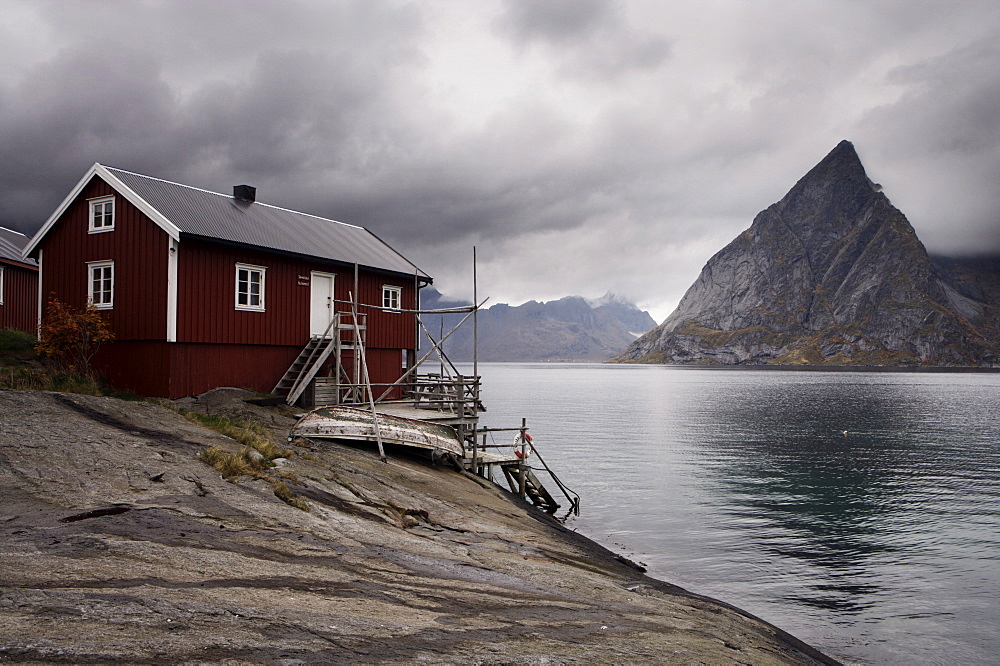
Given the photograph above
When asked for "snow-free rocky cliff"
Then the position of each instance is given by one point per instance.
(833, 273)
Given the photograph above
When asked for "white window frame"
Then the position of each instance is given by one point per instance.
(1, 285)
(106, 212)
(392, 293)
(92, 267)
(252, 269)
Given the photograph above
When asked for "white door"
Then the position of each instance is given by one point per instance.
(321, 308)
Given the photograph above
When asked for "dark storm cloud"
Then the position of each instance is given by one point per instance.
(68, 111)
(583, 146)
(190, 104)
(558, 21)
(943, 138)
(591, 36)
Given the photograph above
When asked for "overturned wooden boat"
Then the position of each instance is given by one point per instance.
(349, 423)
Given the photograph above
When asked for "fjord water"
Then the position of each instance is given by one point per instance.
(881, 545)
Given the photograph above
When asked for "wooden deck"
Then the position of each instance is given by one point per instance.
(406, 410)
(487, 458)
(436, 411)
(451, 402)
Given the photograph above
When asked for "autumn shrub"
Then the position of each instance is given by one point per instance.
(70, 338)
(21, 370)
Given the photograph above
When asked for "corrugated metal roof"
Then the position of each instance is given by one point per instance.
(11, 244)
(221, 216)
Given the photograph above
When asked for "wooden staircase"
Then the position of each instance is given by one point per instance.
(344, 333)
(293, 382)
(533, 488)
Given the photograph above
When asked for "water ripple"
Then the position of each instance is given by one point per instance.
(880, 544)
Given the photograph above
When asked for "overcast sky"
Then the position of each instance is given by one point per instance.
(583, 146)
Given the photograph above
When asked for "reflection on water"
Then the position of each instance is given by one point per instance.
(813, 470)
(880, 544)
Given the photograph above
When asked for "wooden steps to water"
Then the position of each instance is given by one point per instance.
(533, 490)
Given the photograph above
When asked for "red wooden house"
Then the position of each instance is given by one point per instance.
(18, 284)
(204, 289)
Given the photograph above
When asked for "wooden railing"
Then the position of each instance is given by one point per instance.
(458, 395)
(455, 395)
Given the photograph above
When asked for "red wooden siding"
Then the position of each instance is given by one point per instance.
(196, 368)
(206, 298)
(139, 366)
(139, 250)
(230, 347)
(388, 329)
(20, 298)
(206, 311)
(384, 367)
(175, 370)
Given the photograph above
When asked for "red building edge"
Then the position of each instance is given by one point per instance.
(174, 304)
(18, 296)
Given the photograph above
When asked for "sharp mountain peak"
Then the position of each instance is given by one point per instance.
(832, 273)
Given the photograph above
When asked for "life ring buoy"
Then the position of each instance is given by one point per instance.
(522, 449)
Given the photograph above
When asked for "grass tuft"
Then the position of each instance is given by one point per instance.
(285, 494)
(250, 435)
(253, 460)
(230, 465)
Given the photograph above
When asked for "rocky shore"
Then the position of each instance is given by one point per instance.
(118, 544)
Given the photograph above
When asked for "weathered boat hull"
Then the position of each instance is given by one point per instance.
(358, 425)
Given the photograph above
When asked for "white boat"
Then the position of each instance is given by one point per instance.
(357, 424)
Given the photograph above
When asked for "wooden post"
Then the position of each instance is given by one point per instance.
(436, 347)
(368, 383)
(475, 454)
(475, 317)
(521, 475)
(411, 355)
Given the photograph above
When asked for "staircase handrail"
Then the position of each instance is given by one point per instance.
(573, 497)
(299, 387)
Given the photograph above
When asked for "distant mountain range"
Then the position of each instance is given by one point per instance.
(569, 329)
(832, 274)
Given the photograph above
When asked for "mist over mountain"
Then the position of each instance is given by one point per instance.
(832, 274)
(568, 329)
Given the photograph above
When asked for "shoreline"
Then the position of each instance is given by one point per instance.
(959, 369)
(119, 545)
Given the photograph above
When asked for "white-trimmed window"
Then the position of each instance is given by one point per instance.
(1, 285)
(101, 284)
(250, 287)
(102, 214)
(391, 297)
